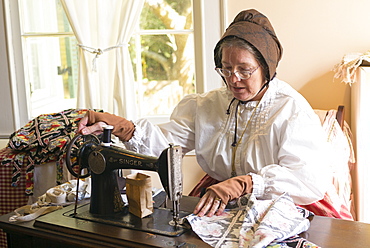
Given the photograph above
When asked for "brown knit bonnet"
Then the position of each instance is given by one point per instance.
(256, 29)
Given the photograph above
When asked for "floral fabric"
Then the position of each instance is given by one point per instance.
(255, 223)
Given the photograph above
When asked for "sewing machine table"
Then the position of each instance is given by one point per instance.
(325, 232)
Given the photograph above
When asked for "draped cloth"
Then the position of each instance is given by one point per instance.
(42, 140)
(346, 69)
(103, 29)
(255, 223)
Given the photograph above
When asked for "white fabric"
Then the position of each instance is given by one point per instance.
(254, 224)
(285, 143)
(44, 178)
(54, 199)
(31, 212)
(103, 29)
(346, 69)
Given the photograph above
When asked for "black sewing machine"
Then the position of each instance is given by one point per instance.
(88, 155)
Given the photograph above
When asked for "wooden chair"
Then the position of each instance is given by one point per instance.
(340, 116)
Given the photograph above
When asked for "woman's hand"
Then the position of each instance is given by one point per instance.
(94, 122)
(227, 190)
(84, 128)
(209, 204)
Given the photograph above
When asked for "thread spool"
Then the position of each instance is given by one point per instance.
(107, 133)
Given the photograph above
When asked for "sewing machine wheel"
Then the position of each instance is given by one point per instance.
(75, 148)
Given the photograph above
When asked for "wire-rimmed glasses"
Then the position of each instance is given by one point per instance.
(242, 74)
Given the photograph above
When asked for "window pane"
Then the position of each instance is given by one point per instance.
(167, 14)
(167, 72)
(50, 58)
(51, 71)
(163, 57)
(43, 16)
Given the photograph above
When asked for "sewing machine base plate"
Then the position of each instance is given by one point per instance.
(156, 223)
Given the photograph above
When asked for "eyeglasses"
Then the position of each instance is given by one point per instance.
(242, 74)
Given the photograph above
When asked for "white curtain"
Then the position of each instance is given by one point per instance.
(103, 29)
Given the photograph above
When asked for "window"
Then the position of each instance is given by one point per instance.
(49, 56)
(43, 56)
(162, 51)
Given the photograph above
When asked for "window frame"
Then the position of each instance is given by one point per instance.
(209, 23)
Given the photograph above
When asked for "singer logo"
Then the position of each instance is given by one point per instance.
(130, 162)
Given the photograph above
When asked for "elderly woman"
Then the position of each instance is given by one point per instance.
(255, 135)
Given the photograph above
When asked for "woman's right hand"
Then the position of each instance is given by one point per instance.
(84, 128)
(94, 122)
(210, 204)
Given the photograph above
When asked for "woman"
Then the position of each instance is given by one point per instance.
(256, 135)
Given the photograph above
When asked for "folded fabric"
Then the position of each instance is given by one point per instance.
(255, 223)
(54, 198)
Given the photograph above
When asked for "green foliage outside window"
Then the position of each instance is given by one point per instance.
(166, 50)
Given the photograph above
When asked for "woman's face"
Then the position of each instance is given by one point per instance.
(238, 59)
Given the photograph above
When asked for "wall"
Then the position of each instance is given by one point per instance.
(315, 36)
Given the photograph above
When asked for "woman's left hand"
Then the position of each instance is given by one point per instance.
(209, 204)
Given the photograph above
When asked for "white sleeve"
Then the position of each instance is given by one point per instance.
(152, 139)
(304, 167)
(148, 139)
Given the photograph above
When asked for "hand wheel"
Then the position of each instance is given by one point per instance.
(77, 152)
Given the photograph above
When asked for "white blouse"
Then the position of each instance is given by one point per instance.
(281, 141)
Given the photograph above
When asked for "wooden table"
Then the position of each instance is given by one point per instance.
(72, 232)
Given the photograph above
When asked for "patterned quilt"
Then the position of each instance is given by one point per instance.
(42, 140)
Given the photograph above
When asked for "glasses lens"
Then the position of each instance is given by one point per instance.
(244, 74)
(240, 74)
